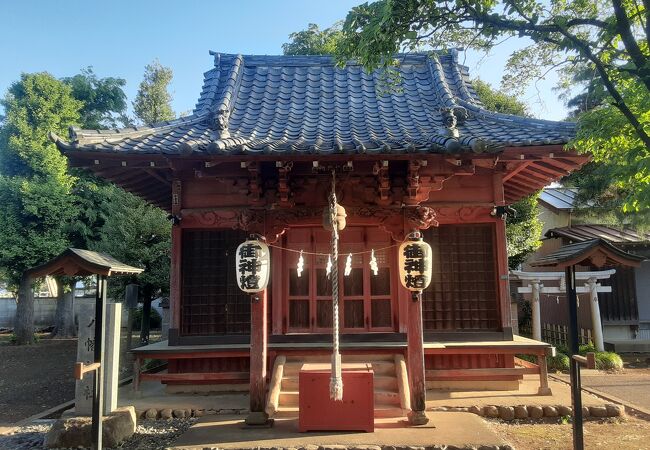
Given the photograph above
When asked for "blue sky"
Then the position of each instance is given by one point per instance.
(118, 38)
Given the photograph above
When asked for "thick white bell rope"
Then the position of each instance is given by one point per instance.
(336, 380)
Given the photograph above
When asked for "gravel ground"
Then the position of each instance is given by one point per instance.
(150, 435)
(36, 377)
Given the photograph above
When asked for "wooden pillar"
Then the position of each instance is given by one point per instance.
(277, 293)
(415, 355)
(175, 266)
(574, 365)
(257, 414)
(98, 394)
(175, 280)
(501, 251)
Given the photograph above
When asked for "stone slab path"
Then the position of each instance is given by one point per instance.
(461, 430)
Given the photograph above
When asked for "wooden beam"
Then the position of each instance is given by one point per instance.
(158, 176)
(460, 374)
(514, 172)
(524, 186)
(531, 171)
(196, 376)
(521, 192)
(549, 169)
(563, 163)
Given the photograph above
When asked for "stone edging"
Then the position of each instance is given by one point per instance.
(535, 411)
(184, 413)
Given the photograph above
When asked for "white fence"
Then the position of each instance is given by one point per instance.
(44, 310)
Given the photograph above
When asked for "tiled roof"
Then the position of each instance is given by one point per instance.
(580, 252)
(581, 233)
(559, 198)
(80, 262)
(305, 104)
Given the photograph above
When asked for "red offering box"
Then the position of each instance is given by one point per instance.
(318, 413)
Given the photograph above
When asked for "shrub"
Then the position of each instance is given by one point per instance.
(560, 362)
(587, 348)
(608, 361)
(155, 320)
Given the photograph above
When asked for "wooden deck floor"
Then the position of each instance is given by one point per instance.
(518, 343)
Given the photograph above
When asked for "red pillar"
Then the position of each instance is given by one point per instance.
(415, 360)
(257, 415)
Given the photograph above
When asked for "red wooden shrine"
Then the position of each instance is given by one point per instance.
(256, 156)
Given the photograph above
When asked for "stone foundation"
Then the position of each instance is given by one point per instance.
(463, 385)
(184, 413)
(535, 411)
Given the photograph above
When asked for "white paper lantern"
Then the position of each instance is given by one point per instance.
(415, 264)
(253, 266)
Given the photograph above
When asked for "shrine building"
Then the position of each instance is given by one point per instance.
(257, 157)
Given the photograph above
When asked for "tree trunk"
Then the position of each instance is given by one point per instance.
(64, 318)
(24, 322)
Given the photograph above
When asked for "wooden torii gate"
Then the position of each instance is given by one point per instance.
(591, 287)
(76, 262)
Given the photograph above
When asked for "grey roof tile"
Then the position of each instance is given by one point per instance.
(285, 104)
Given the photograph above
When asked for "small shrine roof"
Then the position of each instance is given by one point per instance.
(617, 236)
(596, 252)
(80, 262)
(307, 104)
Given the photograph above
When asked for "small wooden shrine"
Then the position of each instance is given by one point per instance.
(256, 157)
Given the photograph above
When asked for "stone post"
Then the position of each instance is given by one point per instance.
(112, 356)
(596, 324)
(536, 310)
(164, 303)
(86, 354)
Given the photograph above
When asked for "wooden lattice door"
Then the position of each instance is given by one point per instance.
(463, 294)
(212, 303)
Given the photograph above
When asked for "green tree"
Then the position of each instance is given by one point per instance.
(313, 41)
(34, 184)
(139, 234)
(104, 100)
(153, 101)
(499, 101)
(609, 37)
(524, 230)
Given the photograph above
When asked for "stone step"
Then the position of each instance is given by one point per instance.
(386, 382)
